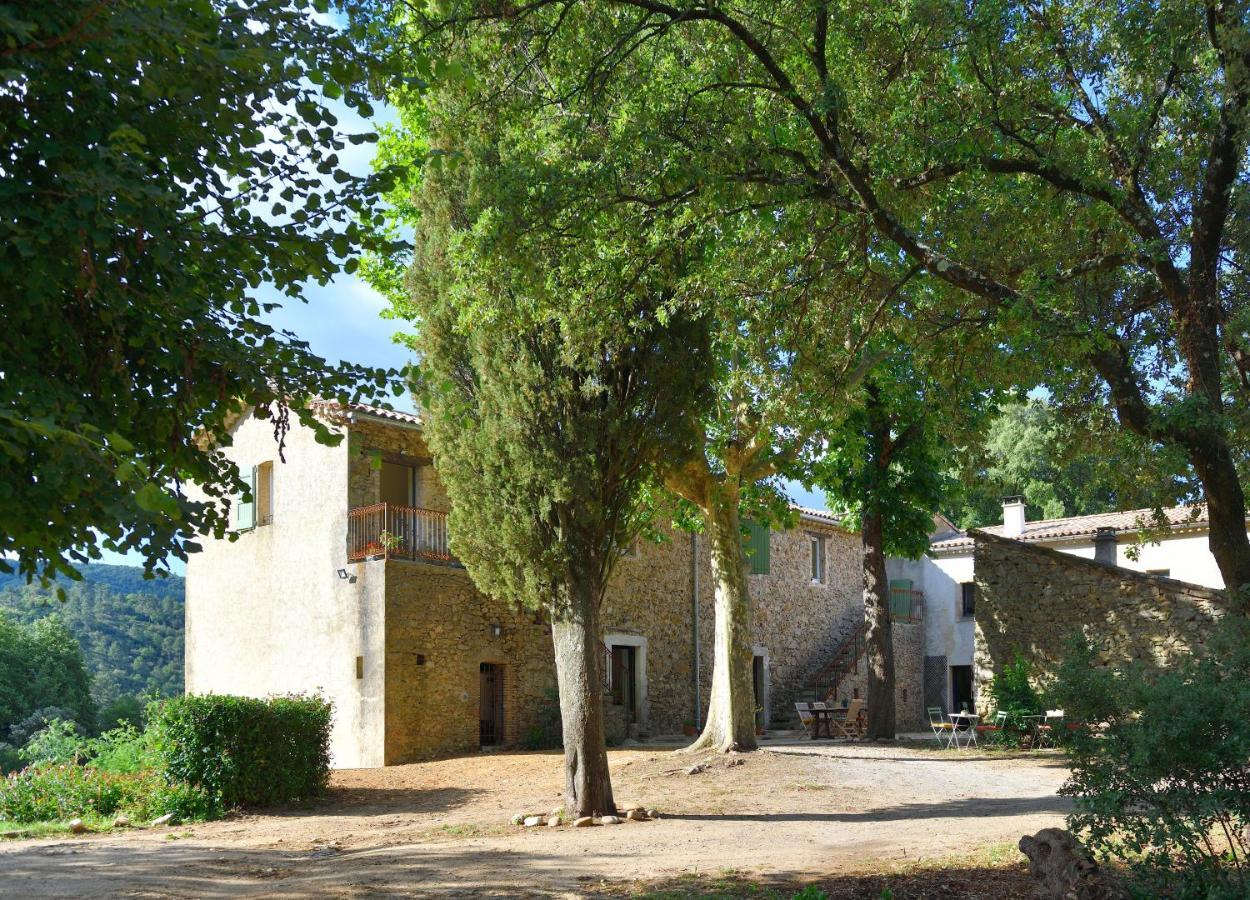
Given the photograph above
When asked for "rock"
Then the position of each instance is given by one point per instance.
(162, 820)
(636, 815)
(730, 763)
(1063, 869)
(531, 821)
(553, 821)
(77, 826)
(518, 819)
(609, 820)
(697, 768)
(584, 822)
(122, 821)
(652, 814)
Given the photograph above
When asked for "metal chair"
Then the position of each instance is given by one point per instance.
(1046, 728)
(805, 716)
(942, 729)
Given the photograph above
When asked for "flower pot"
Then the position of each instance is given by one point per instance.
(689, 730)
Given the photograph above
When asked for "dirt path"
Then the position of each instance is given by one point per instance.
(441, 827)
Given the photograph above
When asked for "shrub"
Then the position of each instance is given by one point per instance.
(123, 750)
(242, 751)
(1012, 692)
(59, 791)
(1164, 785)
(23, 731)
(57, 742)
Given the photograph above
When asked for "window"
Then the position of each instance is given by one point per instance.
(817, 544)
(264, 493)
(967, 598)
(255, 505)
(757, 547)
(1163, 573)
(245, 503)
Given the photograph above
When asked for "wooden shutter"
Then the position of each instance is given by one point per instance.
(245, 510)
(900, 598)
(758, 547)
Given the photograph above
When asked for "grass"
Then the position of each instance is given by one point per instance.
(14, 831)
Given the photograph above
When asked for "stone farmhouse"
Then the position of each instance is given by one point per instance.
(341, 579)
(1028, 586)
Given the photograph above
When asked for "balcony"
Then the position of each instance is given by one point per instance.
(388, 531)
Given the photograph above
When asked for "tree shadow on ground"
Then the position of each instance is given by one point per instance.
(1045, 760)
(107, 868)
(973, 807)
(365, 801)
(961, 882)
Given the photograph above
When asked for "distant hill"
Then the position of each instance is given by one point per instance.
(130, 629)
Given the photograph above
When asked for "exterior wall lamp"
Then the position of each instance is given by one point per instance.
(496, 630)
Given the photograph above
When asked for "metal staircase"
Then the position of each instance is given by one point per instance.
(845, 661)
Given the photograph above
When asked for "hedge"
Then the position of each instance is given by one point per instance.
(241, 751)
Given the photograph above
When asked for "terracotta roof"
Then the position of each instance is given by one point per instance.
(374, 412)
(1177, 517)
(823, 516)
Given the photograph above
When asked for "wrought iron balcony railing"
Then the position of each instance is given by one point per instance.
(388, 531)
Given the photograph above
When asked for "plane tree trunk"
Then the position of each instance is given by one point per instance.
(730, 723)
(879, 635)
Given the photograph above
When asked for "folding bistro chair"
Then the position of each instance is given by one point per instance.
(942, 729)
(993, 728)
(805, 716)
(848, 726)
(1046, 728)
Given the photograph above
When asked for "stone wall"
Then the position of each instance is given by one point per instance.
(1034, 599)
(909, 714)
(370, 440)
(398, 645)
(438, 633)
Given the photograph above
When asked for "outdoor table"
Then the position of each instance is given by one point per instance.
(969, 721)
(822, 720)
(1032, 723)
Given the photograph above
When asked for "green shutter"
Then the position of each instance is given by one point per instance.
(245, 510)
(758, 547)
(900, 598)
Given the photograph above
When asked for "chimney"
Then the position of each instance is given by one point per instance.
(1013, 516)
(1105, 546)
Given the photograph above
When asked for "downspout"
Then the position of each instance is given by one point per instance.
(694, 606)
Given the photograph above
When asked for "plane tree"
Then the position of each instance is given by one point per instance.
(1076, 170)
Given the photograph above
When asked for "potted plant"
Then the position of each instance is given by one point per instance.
(688, 729)
(759, 727)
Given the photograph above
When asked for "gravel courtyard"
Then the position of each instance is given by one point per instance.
(798, 809)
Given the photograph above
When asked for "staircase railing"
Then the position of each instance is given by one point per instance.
(845, 662)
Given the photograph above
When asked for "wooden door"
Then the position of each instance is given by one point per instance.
(490, 717)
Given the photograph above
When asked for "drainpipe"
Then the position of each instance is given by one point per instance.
(694, 606)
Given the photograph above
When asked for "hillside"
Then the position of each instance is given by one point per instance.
(130, 629)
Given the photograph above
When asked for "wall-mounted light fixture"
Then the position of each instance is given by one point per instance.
(345, 576)
(496, 630)
(342, 573)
